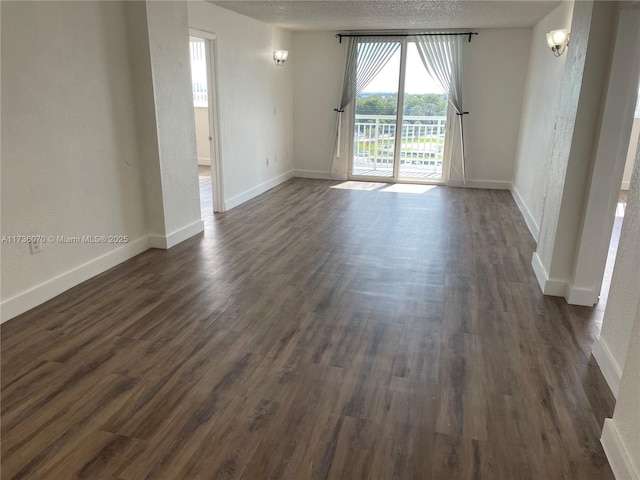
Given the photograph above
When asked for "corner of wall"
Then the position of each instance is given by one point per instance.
(53, 287)
(610, 369)
(616, 453)
(257, 190)
(549, 286)
(529, 219)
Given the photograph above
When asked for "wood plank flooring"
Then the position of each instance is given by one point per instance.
(313, 333)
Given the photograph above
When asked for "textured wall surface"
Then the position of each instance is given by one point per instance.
(582, 93)
(70, 163)
(624, 293)
(626, 417)
(563, 132)
(539, 111)
(255, 97)
(171, 73)
(609, 155)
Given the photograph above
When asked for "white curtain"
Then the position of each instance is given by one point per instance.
(442, 57)
(366, 57)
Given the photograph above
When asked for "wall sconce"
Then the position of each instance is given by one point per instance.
(558, 41)
(279, 57)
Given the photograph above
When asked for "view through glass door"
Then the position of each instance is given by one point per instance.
(417, 154)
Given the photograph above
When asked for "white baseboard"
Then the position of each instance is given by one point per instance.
(549, 286)
(625, 185)
(486, 184)
(585, 297)
(320, 175)
(204, 161)
(616, 453)
(39, 294)
(164, 242)
(608, 366)
(533, 226)
(158, 241)
(312, 174)
(257, 190)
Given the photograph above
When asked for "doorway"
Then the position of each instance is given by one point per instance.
(203, 80)
(604, 191)
(621, 207)
(400, 123)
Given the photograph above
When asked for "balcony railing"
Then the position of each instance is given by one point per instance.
(421, 152)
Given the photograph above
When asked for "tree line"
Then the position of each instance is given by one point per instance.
(425, 105)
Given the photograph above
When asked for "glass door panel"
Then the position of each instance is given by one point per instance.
(374, 129)
(423, 122)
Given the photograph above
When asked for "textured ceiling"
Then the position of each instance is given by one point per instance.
(392, 14)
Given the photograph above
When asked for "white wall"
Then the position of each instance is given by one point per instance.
(173, 98)
(610, 150)
(620, 338)
(98, 139)
(624, 293)
(318, 73)
(621, 434)
(583, 89)
(631, 154)
(539, 112)
(146, 127)
(493, 84)
(255, 100)
(70, 161)
(202, 135)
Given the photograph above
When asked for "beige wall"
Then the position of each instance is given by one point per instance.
(202, 135)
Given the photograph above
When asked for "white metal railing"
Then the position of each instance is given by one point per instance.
(199, 95)
(198, 73)
(422, 143)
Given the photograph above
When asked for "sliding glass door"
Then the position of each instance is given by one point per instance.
(399, 124)
(376, 117)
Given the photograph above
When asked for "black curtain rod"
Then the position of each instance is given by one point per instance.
(364, 34)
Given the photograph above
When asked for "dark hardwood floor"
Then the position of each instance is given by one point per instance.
(313, 333)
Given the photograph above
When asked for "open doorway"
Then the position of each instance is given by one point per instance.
(604, 201)
(203, 81)
(621, 206)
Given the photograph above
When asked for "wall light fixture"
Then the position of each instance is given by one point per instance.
(279, 57)
(558, 41)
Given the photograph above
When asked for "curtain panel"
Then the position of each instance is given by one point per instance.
(442, 57)
(366, 57)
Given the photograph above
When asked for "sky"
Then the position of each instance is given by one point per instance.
(417, 79)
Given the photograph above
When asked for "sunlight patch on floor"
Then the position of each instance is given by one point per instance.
(408, 188)
(359, 185)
